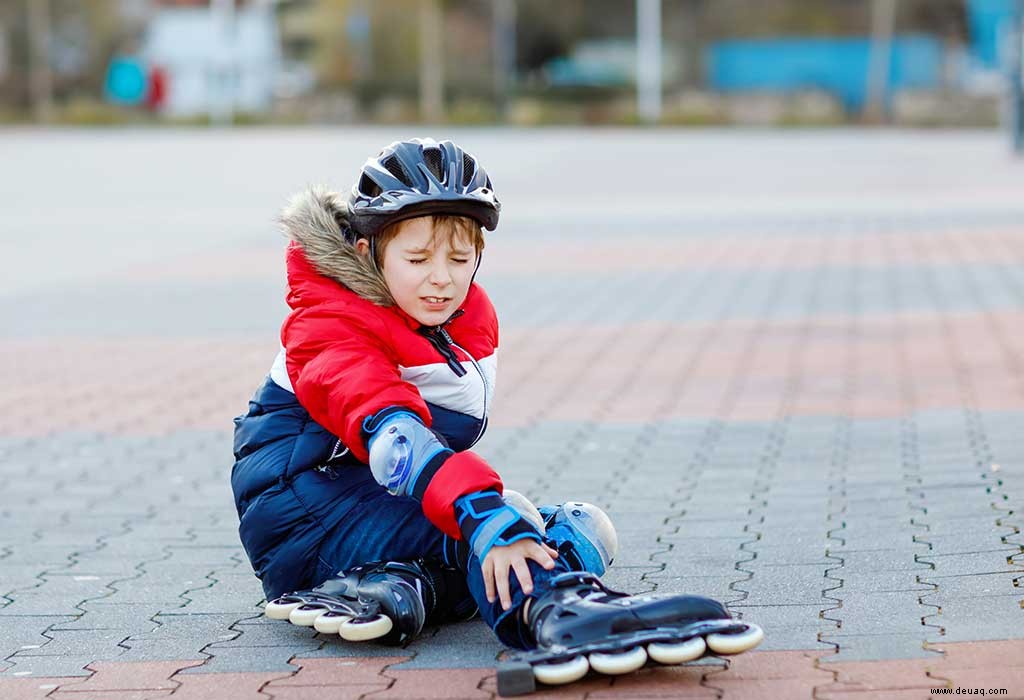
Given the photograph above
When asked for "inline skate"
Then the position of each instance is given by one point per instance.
(389, 602)
(581, 624)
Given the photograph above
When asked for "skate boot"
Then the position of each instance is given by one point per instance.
(385, 601)
(581, 624)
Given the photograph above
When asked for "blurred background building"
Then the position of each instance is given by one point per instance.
(780, 62)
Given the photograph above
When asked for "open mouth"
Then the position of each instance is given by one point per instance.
(436, 300)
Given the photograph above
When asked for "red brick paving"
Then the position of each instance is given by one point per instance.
(759, 674)
(156, 386)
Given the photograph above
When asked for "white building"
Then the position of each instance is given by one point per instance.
(217, 59)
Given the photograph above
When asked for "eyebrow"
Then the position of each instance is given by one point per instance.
(421, 251)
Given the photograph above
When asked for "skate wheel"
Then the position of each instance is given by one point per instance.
(330, 622)
(281, 608)
(677, 653)
(737, 642)
(563, 672)
(618, 663)
(363, 630)
(306, 615)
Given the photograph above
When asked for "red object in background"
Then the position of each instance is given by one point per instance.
(156, 91)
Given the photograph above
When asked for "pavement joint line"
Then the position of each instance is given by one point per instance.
(980, 448)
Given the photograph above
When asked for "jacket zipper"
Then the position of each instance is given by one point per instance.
(483, 380)
(442, 342)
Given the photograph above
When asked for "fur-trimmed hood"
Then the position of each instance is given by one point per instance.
(316, 219)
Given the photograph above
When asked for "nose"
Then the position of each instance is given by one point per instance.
(440, 276)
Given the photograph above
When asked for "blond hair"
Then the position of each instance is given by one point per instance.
(453, 228)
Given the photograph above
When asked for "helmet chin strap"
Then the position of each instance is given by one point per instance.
(479, 257)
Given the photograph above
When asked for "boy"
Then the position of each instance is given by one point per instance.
(353, 480)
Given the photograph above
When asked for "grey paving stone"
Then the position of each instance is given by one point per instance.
(793, 585)
(877, 647)
(40, 604)
(131, 621)
(854, 581)
(465, 645)
(49, 666)
(971, 562)
(798, 553)
(717, 587)
(630, 579)
(101, 644)
(884, 560)
(259, 636)
(979, 618)
(879, 613)
(774, 617)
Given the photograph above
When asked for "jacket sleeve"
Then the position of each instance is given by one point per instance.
(342, 372)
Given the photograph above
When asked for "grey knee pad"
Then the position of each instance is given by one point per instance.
(525, 508)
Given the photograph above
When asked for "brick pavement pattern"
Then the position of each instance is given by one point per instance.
(790, 368)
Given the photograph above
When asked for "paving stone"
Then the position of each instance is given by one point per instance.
(222, 686)
(793, 585)
(877, 613)
(332, 672)
(978, 618)
(265, 659)
(973, 585)
(102, 644)
(49, 666)
(33, 687)
(465, 645)
(871, 647)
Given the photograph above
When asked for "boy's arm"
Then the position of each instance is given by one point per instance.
(343, 381)
(352, 387)
(459, 491)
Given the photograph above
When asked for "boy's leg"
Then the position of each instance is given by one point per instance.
(585, 540)
(389, 528)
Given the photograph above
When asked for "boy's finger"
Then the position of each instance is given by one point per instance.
(543, 558)
(501, 579)
(552, 551)
(523, 575)
(487, 571)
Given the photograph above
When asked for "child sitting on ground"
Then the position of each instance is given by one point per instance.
(362, 508)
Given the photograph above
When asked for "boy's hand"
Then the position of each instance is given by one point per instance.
(498, 561)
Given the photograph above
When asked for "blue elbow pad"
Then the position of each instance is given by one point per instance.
(400, 448)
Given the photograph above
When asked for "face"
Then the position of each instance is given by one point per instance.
(428, 279)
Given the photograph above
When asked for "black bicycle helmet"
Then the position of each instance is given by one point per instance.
(418, 177)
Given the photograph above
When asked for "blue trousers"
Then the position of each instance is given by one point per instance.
(382, 527)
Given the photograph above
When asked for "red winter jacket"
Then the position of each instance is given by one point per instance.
(346, 357)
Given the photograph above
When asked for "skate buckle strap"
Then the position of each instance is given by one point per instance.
(486, 521)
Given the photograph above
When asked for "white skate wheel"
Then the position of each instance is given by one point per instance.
(306, 615)
(280, 611)
(736, 643)
(359, 631)
(670, 653)
(618, 663)
(561, 673)
(330, 622)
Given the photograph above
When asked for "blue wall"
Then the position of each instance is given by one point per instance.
(985, 19)
(838, 66)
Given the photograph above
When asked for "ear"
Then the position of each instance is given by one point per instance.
(363, 246)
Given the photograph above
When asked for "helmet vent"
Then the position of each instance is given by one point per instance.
(468, 168)
(395, 168)
(433, 158)
(368, 187)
